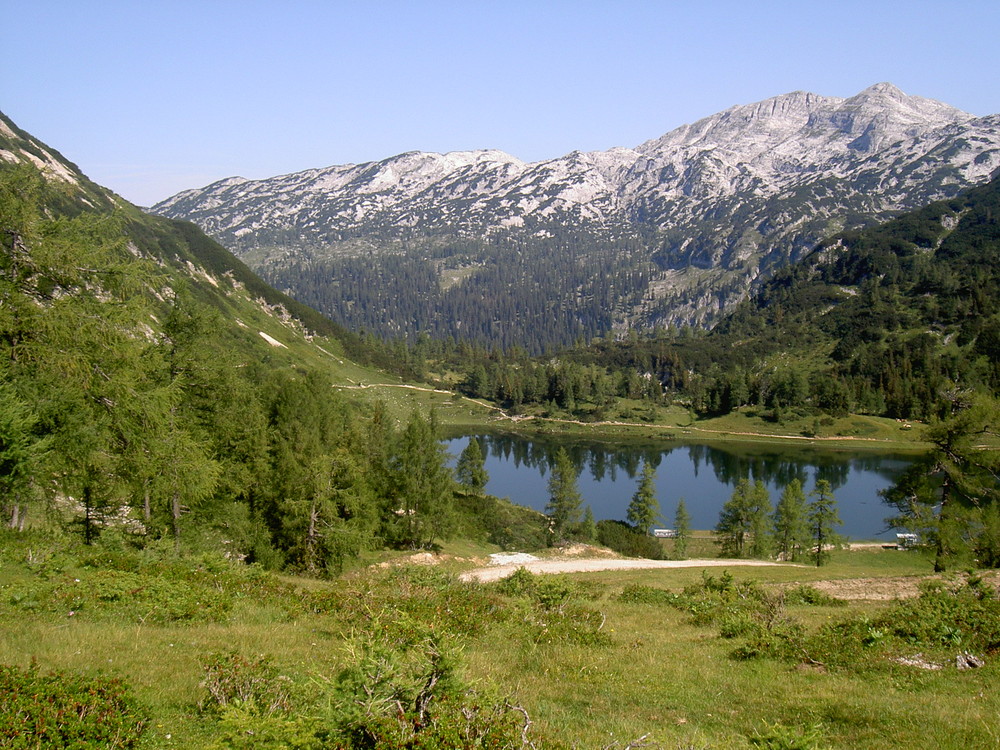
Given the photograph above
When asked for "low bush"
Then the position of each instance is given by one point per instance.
(811, 596)
(137, 597)
(120, 580)
(388, 696)
(398, 599)
(943, 620)
(745, 611)
(555, 611)
(781, 737)
(625, 540)
(61, 710)
(638, 594)
(252, 683)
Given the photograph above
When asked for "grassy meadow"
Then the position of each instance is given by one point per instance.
(595, 660)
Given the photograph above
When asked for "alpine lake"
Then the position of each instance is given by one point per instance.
(704, 475)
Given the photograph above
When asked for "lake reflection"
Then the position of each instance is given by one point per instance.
(704, 475)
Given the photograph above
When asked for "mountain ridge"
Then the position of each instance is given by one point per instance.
(712, 206)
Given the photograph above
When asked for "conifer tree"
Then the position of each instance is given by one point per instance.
(471, 469)
(760, 521)
(950, 496)
(682, 530)
(21, 448)
(564, 503)
(734, 520)
(72, 316)
(791, 534)
(822, 516)
(424, 485)
(588, 527)
(644, 508)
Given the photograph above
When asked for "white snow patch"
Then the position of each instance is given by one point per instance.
(272, 341)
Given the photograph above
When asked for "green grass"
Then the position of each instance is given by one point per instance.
(653, 672)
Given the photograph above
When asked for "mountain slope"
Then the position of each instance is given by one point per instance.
(150, 384)
(258, 314)
(887, 319)
(678, 229)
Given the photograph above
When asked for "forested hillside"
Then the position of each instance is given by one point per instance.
(895, 313)
(875, 322)
(149, 382)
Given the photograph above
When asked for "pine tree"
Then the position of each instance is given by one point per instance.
(682, 530)
(734, 520)
(760, 521)
(471, 470)
(564, 498)
(822, 516)
(645, 508)
(791, 534)
(424, 485)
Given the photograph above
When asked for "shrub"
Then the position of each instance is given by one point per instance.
(549, 592)
(811, 596)
(625, 540)
(744, 611)
(410, 596)
(781, 737)
(638, 594)
(413, 697)
(138, 597)
(253, 684)
(59, 710)
(555, 614)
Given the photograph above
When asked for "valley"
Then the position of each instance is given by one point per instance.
(218, 502)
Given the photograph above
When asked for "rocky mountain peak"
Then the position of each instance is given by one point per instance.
(704, 209)
(882, 114)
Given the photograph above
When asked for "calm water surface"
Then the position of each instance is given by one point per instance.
(701, 474)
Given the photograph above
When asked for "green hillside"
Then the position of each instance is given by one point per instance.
(876, 323)
(151, 380)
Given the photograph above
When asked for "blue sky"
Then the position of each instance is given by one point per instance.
(149, 97)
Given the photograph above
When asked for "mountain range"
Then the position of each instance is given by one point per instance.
(677, 230)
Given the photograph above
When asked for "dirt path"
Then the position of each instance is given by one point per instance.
(590, 565)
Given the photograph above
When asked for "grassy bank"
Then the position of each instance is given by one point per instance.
(637, 422)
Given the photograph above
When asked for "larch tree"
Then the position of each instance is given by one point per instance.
(682, 530)
(951, 496)
(565, 501)
(424, 485)
(644, 508)
(760, 521)
(73, 314)
(740, 520)
(471, 467)
(791, 533)
(823, 518)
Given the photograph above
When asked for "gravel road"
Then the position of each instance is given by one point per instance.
(589, 565)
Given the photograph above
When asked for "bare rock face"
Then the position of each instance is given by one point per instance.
(712, 206)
